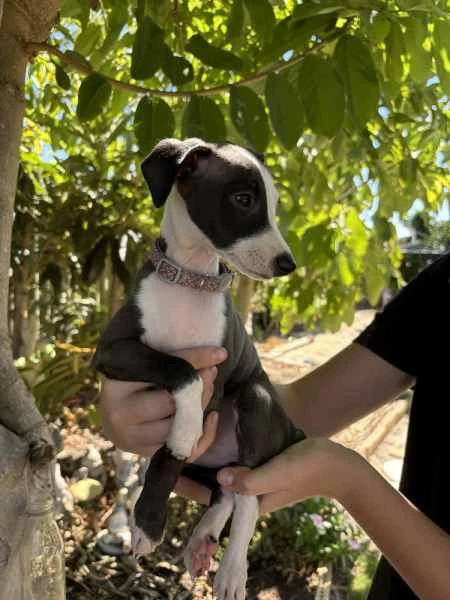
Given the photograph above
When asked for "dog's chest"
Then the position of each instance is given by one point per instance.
(174, 317)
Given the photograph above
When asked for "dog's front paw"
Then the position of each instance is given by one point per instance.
(198, 554)
(231, 578)
(187, 426)
(142, 545)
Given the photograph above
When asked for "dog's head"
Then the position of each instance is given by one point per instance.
(230, 198)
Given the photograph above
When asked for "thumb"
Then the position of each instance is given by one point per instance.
(236, 479)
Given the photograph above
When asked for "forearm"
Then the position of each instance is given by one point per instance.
(417, 548)
(347, 387)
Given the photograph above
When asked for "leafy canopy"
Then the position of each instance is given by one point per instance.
(348, 98)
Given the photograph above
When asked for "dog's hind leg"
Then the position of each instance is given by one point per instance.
(231, 578)
(205, 538)
(263, 430)
(150, 512)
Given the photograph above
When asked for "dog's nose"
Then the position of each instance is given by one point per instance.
(284, 264)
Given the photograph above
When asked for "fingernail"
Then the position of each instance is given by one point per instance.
(220, 354)
(225, 478)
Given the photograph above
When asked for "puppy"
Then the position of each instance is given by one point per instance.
(220, 203)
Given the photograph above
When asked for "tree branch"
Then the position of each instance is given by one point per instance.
(282, 65)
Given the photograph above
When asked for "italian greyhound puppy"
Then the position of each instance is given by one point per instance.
(220, 203)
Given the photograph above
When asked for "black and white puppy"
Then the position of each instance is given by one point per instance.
(220, 203)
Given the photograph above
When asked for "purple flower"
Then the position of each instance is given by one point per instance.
(317, 520)
(354, 544)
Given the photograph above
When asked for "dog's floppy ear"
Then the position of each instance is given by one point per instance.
(169, 160)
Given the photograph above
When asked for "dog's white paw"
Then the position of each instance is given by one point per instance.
(198, 554)
(187, 426)
(141, 544)
(231, 578)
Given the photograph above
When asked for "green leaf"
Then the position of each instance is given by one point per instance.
(322, 95)
(213, 56)
(394, 50)
(149, 51)
(289, 35)
(311, 8)
(61, 77)
(178, 70)
(375, 283)
(203, 118)
(119, 100)
(442, 35)
(116, 21)
(76, 9)
(79, 57)
(420, 60)
(235, 21)
(88, 39)
(408, 169)
(249, 117)
(442, 54)
(344, 270)
(285, 109)
(160, 10)
(153, 121)
(314, 247)
(262, 17)
(357, 241)
(359, 76)
(93, 96)
(443, 71)
(379, 28)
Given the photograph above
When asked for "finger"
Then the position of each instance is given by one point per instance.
(191, 489)
(208, 376)
(208, 436)
(114, 389)
(148, 434)
(203, 357)
(270, 476)
(140, 407)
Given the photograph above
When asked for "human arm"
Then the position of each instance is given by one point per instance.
(349, 386)
(318, 466)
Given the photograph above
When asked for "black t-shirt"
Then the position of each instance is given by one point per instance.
(413, 334)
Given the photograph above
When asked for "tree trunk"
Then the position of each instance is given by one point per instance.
(24, 437)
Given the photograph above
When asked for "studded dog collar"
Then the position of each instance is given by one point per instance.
(170, 272)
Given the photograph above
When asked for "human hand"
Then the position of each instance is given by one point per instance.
(138, 420)
(313, 467)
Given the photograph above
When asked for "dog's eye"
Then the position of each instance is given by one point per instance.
(243, 199)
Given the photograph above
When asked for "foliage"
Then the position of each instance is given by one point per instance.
(432, 234)
(363, 573)
(316, 531)
(347, 98)
(439, 237)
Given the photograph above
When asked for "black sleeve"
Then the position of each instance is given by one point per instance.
(412, 329)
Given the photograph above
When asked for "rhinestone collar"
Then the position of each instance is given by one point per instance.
(171, 272)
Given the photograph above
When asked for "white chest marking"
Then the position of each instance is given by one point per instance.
(176, 317)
